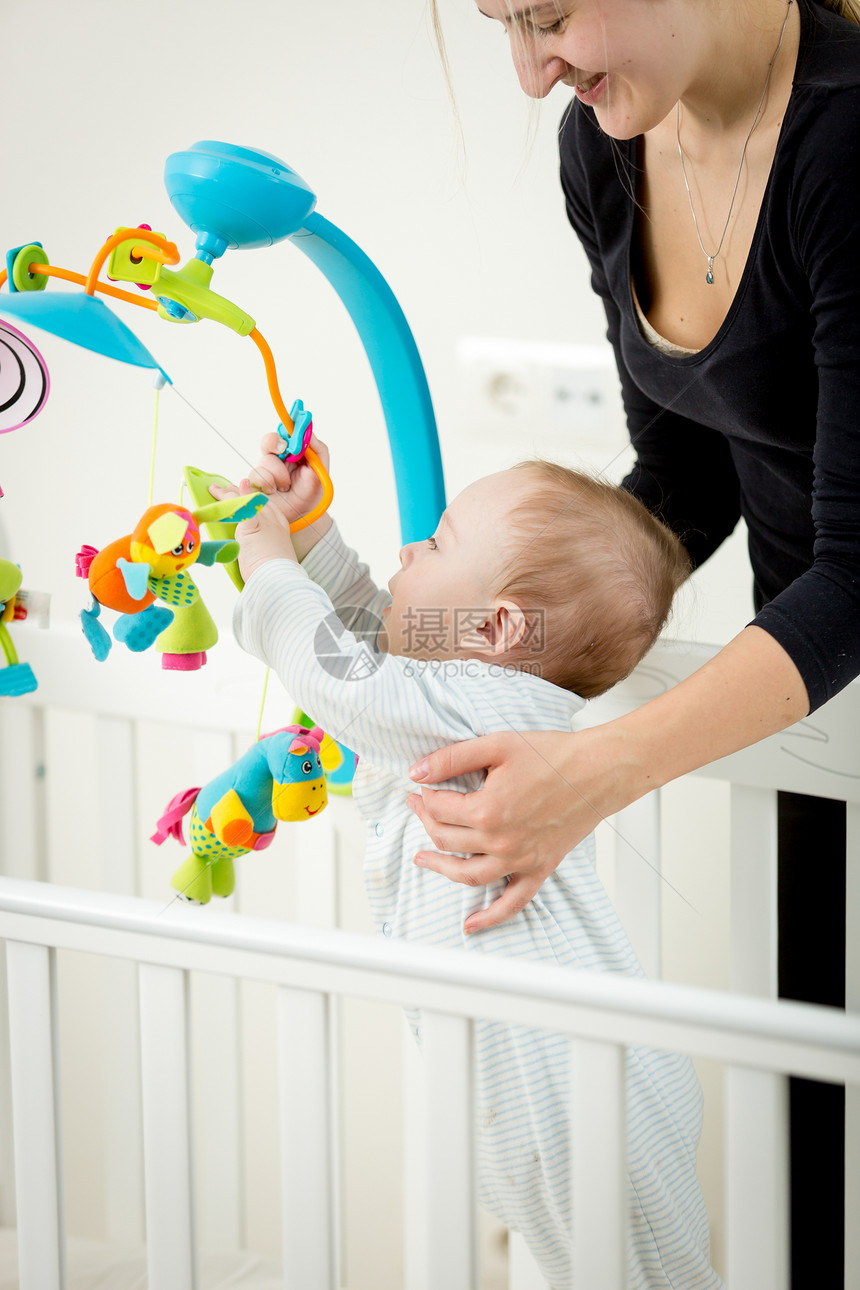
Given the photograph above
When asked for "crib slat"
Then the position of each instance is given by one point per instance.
(7, 1150)
(168, 1174)
(124, 1195)
(36, 1116)
(23, 848)
(118, 832)
(757, 1180)
(756, 1114)
(315, 872)
(116, 814)
(598, 1167)
(217, 1036)
(451, 1205)
(415, 1233)
(852, 1003)
(638, 896)
(753, 891)
(218, 1099)
(308, 1187)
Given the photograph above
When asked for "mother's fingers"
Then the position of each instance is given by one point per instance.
(479, 871)
(458, 759)
(447, 806)
(472, 871)
(436, 816)
(468, 822)
(520, 890)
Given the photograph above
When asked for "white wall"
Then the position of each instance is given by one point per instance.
(352, 96)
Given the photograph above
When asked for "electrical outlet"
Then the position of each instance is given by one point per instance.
(542, 391)
(578, 399)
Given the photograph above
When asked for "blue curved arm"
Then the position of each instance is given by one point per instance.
(397, 370)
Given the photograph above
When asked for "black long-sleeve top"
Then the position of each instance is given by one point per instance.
(764, 422)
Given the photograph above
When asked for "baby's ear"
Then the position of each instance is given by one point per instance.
(503, 628)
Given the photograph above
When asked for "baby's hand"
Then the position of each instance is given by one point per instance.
(266, 536)
(293, 478)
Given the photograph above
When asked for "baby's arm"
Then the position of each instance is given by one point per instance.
(385, 708)
(319, 548)
(359, 603)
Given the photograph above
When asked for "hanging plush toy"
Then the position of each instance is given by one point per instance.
(281, 777)
(151, 564)
(339, 773)
(15, 678)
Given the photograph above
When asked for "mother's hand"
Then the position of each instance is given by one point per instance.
(544, 792)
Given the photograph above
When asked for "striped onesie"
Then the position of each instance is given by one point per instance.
(315, 625)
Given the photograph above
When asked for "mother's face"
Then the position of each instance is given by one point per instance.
(623, 58)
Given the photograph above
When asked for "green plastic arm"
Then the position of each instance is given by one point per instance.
(189, 288)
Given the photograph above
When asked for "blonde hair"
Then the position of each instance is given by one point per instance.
(595, 574)
(849, 9)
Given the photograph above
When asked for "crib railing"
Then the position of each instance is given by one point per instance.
(211, 714)
(761, 1040)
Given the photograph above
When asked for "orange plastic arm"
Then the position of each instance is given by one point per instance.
(150, 253)
(171, 255)
(3, 276)
(287, 422)
(52, 271)
(272, 379)
(328, 492)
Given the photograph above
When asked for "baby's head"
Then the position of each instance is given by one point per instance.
(541, 568)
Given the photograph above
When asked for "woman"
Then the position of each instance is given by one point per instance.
(704, 163)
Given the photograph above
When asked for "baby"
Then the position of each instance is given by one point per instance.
(540, 588)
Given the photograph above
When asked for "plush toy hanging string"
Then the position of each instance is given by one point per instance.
(263, 701)
(159, 383)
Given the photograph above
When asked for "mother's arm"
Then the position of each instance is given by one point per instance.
(547, 790)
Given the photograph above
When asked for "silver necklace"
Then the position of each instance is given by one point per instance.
(711, 256)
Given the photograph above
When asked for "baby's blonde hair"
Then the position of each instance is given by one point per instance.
(595, 574)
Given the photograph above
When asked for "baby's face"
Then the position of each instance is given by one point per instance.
(445, 588)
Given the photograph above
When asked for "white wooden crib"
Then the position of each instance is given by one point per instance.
(189, 1085)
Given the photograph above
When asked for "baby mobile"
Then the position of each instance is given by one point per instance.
(24, 387)
(231, 198)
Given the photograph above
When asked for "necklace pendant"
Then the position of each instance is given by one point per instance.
(709, 276)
